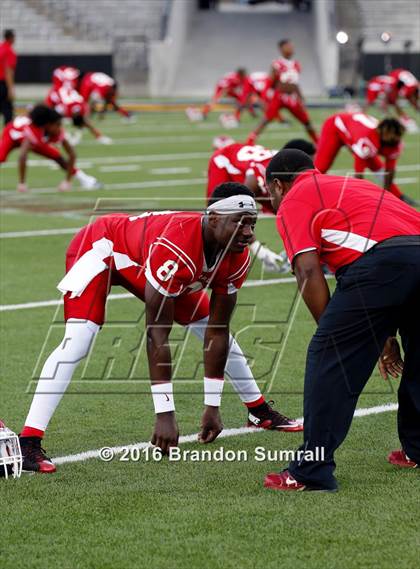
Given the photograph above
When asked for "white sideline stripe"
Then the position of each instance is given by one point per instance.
(39, 232)
(87, 455)
(58, 302)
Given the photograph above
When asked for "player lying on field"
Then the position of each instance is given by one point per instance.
(367, 139)
(99, 88)
(66, 100)
(283, 92)
(238, 162)
(39, 132)
(400, 83)
(168, 260)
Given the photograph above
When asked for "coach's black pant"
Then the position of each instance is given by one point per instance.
(6, 106)
(375, 296)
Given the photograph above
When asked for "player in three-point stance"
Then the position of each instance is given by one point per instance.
(168, 260)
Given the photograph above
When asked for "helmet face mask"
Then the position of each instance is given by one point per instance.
(10, 453)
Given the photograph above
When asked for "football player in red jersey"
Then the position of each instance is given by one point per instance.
(239, 162)
(100, 88)
(168, 260)
(65, 75)
(284, 93)
(367, 139)
(67, 101)
(40, 132)
(234, 85)
(399, 83)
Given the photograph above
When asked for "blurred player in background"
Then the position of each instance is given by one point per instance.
(367, 139)
(234, 85)
(40, 132)
(169, 261)
(239, 162)
(8, 62)
(100, 89)
(66, 100)
(284, 93)
(399, 83)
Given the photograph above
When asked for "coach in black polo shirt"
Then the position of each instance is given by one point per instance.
(371, 241)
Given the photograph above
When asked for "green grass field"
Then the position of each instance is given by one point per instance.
(170, 515)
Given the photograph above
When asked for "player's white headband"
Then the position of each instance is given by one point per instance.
(234, 204)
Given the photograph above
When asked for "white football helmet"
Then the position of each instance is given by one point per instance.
(10, 453)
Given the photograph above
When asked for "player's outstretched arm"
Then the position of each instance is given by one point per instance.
(72, 158)
(216, 350)
(159, 321)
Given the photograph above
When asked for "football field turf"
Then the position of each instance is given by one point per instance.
(209, 514)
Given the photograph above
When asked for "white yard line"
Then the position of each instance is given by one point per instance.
(39, 232)
(58, 302)
(159, 171)
(120, 168)
(82, 456)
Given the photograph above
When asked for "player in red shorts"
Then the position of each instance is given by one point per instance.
(239, 162)
(234, 85)
(71, 105)
(399, 83)
(100, 88)
(367, 139)
(285, 93)
(40, 132)
(168, 260)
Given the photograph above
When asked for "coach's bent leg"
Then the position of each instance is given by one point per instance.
(409, 390)
(58, 370)
(340, 360)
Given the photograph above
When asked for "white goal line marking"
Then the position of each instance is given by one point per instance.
(87, 455)
(58, 302)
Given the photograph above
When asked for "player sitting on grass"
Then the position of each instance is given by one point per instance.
(168, 260)
(38, 133)
(367, 139)
(99, 88)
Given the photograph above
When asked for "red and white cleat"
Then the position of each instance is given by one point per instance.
(283, 481)
(34, 457)
(399, 458)
(265, 417)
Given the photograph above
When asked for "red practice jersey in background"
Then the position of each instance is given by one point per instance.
(235, 162)
(67, 101)
(96, 85)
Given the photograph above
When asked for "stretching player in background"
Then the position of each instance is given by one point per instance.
(400, 83)
(367, 139)
(238, 162)
(39, 132)
(100, 89)
(234, 85)
(168, 260)
(67, 101)
(284, 93)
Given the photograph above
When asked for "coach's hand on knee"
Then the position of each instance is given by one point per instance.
(166, 431)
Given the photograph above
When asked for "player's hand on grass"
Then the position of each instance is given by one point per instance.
(391, 361)
(22, 187)
(211, 425)
(64, 186)
(166, 431)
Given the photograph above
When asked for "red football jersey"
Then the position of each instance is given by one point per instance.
(358, 132)
(242, 160)
(232, 82)
(65, 75)
(168, 249)
(341, 218)
(260, 82)
(410, 83)
(66, 101)
(96, 85)
(21, 128)
(288, 70)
